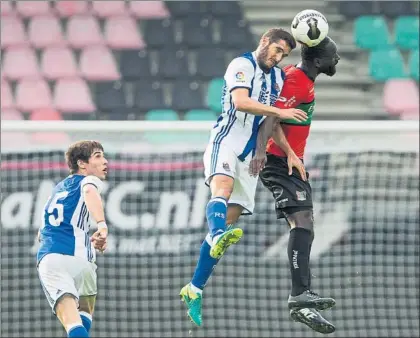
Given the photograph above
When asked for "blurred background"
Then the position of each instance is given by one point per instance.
(99, 63)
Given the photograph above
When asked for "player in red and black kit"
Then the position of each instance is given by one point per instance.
(283, 173)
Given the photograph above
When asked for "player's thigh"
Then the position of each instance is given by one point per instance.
(289, 191)
(87, 287)
(56, 277)
(220, 168)
(87, 304)
(244, 189)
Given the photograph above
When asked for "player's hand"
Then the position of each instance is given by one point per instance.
(294, 161)
(257, 164)
(99, 239)
(294, 114)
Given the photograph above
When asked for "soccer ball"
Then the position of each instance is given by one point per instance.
(309, 27)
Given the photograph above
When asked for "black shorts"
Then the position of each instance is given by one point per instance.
(290, 193)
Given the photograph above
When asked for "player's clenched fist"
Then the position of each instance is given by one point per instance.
(99, 239)
(292, 113)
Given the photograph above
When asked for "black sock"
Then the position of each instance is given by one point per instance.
(298, 251)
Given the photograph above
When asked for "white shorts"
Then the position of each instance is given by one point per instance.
(62, 274)
(221, 159)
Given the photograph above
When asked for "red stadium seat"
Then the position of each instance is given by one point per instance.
(148, 9)
(46, 114)
(58, 62)
(122, 33)
(84, 31)
(401, 97)
(6, 8)
(32, 8)
(12, 32)
(97, 64)
(19, 63)
(105, 9)
(7, 101)
(33, 94)
(69, 8)
(45, 31)
(73, 96)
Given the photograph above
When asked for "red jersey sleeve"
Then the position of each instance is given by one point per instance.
(294, 92)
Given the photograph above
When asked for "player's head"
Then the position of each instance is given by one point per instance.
(274, 45)
(87, 158)
(323, 56)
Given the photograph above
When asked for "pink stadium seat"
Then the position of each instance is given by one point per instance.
(97, 64)
(46, 114)
(13, 139)
(121, 33)
(83, 31)
(20, 62)
(148, 9)
(73, 96)
(11, 114)
(33, 94)
(58, 62)
(55, 138)
(6, 8)
(45, 31)
(401, 97)
(32, 8)
(69, 8)
(108, 8)
(6, 96)
(12, 32)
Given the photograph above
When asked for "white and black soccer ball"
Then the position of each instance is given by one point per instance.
(309, 27)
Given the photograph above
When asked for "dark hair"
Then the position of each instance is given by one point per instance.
(81, 150)
(276, 34)
(311, 53)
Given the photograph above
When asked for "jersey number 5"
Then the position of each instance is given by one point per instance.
(56, 205)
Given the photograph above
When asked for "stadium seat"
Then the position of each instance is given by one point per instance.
(6, 8)
(33, 94)
(12, 32)
(161, 115)
(371, 32)
(7, 101)
(236, 34)
(200, 115)
(187, 95)
(159, 33)
(97, 64)
(394, 9)
(105, 9)
(135, 64)
(148, 9)
(173, 64)
(45, 31)
(32, 8)
(58, 62)
(211, 63)
(121, 33)
(13, 138)
(413, 63)
(56, 138)
(69, 8)
(148, 95)
(11, 114)
(45, 115)
(355, 9)
(109, 96)
(197, 32)
(401, 97)
(20, 62)
(183, 9)
(214, 93)
(386, 64)
(73, 96)
(84, 31)
(230, 9)
(407, 32)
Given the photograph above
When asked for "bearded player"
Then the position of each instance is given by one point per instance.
(290, 186)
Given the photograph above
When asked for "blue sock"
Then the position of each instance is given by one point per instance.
(216, 215)
(86, 320)
(78, 331)
(205, 265)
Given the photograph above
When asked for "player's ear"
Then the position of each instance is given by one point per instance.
(265, 41)
(317, 62)
(81, 164)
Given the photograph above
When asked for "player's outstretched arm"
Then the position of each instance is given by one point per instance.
(95, 207)
(242, 102)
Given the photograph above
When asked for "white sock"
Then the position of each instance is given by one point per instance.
(196, 289)
(215, 238)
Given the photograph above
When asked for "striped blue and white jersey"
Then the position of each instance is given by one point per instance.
(66, 223)
(236, 128)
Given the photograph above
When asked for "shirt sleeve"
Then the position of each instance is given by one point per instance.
(292, 94)
(95, 181)
(239, 74)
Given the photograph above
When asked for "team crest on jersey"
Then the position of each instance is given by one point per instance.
(240, 76)
(226, 166)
